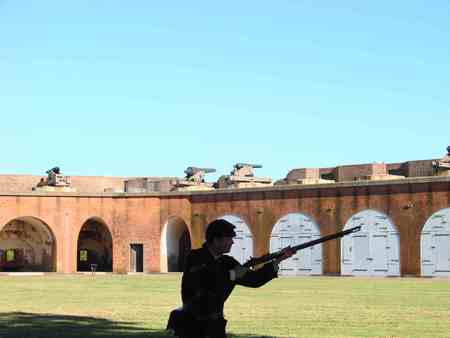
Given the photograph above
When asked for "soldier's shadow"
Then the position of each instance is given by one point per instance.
(35, 325)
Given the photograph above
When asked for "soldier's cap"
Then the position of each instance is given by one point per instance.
(219, 228)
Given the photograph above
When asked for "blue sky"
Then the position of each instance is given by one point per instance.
(144, 88)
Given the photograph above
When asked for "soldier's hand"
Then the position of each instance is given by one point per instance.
(238, 272)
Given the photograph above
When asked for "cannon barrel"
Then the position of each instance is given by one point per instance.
(208, 170)
(242, 165)
(193, 170)
(55, 170)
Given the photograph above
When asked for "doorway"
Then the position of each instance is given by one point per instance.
(137, 258)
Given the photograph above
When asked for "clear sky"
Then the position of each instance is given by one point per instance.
(147, 88)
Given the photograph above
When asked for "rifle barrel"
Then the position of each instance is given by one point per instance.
(269, 257)
(326, 238)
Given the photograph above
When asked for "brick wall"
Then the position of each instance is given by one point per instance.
(418, 168)
(140, 219)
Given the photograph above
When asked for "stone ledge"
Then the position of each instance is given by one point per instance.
(415, 180)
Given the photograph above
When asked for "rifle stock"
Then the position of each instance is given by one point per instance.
(271, 256)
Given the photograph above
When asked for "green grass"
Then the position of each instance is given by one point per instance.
(137, 306)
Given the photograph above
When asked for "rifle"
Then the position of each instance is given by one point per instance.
(271, 256)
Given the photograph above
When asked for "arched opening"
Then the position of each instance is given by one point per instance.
(294, 229)
(94, 247)
(27, 245)
(372, 251)
(435, 245)
(242, 248)
(175, 245)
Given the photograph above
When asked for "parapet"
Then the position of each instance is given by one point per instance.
(357, 172)
(305, 176)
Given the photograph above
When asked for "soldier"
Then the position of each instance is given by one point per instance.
(208, 280)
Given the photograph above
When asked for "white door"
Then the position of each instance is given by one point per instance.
(305, 259)
(393, 254)
(443, 254)
(361, 256)
(379, 255)
(316, 257)
(427, 253)
(347, 256)
(294, 229)
(288, 266)
(435, 245)
(373, 251)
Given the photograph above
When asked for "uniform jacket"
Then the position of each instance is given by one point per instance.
(206, 282)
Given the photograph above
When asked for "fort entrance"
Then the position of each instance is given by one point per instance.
(27, 245)
(94, 247)
(175, 245)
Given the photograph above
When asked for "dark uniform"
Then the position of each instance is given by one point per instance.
(206, 285)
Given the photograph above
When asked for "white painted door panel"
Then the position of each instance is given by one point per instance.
(298, 228)
(435, 245)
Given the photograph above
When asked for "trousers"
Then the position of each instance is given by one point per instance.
(185, 325)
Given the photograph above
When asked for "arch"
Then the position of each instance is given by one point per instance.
(94, 246)
(374, 250)
(175, 245)
(27, 244)
(435, 245)
(293, 229)
(242, 248)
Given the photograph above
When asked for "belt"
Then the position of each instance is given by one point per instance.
(208, 316)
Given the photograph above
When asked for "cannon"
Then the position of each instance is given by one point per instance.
(443, 165)
(56, 179)
(244, 169)
(195, 174)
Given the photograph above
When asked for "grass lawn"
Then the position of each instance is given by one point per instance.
(137, 306)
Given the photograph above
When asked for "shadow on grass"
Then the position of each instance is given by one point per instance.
(35, 325)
